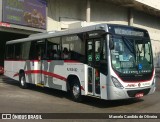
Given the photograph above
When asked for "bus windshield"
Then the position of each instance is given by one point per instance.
(131, 55)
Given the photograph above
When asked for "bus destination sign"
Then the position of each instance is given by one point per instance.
(128, 32)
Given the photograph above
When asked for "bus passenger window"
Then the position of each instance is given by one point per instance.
(65, 54)
(10, 52)
(53, 48)
(54, 54)
(73, 47)
(18, 51)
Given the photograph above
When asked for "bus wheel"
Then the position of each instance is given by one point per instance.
(22, 81)
(76, 91)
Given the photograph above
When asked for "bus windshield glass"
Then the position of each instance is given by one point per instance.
(132, 55)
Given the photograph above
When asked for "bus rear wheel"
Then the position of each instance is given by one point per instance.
(22, 81)
(75, 91)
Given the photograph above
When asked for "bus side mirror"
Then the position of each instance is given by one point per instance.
(111, 44)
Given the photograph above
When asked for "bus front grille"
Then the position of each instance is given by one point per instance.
(132, 93)
(144, 77)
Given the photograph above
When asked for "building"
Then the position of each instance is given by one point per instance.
(65, 14)
(20, 18)
(140, 13)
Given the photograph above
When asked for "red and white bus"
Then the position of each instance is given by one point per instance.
(105, 61)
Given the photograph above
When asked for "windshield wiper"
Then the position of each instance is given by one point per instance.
(129, 44)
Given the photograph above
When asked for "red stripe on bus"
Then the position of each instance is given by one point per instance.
(33, 72)
(16, 75)
(43, 72)
(71, 61)
(54, 75)
(46, 73)
(24, 60)
(13, 60)
(66, 61)
(82, 88)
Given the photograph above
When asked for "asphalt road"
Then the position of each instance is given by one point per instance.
(13, 99)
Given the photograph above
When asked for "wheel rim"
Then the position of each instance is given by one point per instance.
(76, 90)
(22, 81)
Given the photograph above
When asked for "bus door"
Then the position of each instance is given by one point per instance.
(93, 60)
(41, 60)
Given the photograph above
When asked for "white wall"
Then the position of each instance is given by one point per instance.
(64, 12)
(0, 10)
(105, 12)
(151, 3)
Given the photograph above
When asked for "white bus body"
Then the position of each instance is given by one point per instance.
(95, 66)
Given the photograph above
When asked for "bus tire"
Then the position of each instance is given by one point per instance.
(75, 91)
(22, 81)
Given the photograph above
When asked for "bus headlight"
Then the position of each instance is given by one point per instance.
(116, 83)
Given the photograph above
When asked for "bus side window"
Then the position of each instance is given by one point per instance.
(18, 49)
(52, 54)
(53, 48)
(25, 47)
(10, 51)
(73, 47)
(65, 54)
(33, 53)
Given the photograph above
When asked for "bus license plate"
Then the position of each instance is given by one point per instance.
(138, 95)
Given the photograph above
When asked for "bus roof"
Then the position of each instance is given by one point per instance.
(66, 32)
(58, 33)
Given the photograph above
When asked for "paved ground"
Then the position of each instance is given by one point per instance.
(13, 99)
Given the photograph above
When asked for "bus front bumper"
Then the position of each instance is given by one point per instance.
(117, 94)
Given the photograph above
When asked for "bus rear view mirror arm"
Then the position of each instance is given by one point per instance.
(111, 43)
(106, 33)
